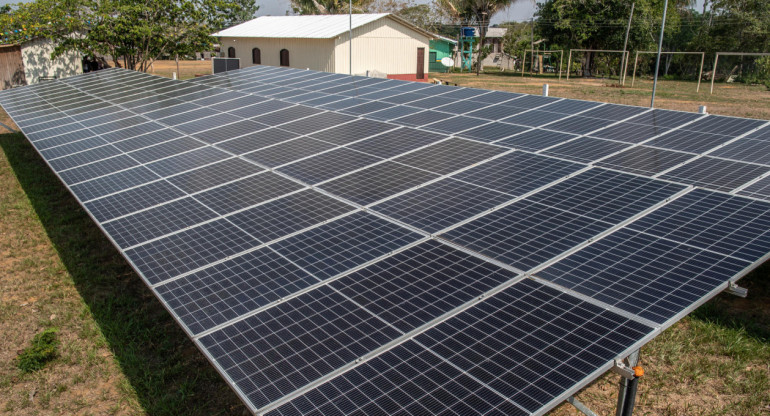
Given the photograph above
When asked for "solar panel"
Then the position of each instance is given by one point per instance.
(395, 283)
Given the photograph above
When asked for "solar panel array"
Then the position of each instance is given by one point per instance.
(340, 245)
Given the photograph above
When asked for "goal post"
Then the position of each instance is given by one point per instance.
(625, 55)
(549, 52)
(700, 71)
(716, 60)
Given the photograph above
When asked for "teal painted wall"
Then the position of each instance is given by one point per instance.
(441, 49)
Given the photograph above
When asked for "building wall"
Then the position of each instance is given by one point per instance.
(316, 54)
(36, 56)
(442, 49)
(384, 45)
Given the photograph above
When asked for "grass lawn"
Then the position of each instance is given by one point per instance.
(121, 353)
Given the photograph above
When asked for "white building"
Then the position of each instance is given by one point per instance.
(30, 62)
(381, 42)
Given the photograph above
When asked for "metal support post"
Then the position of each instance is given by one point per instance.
(624, 59)
(629, 383)
(714, 72)
(569, 63)
(545, 90)
(660, 49)
(580, 406)
(736, 290)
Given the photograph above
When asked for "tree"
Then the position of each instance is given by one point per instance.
(475, 13)
(133, 33)
(328, 6)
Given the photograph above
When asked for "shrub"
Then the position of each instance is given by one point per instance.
(43, 349)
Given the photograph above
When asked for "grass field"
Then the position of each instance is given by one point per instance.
(121, 353)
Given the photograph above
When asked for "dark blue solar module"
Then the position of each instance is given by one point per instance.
(441, 204)
(171, 256)
(450, 155)
(525, 233)
(689, 141)
(275, 352)
(746, 150)
(518, 173)
(421, 283)
(586, 149)
(726, 224)
(227, 290)
(131, 200)
(396, 142)
(343, 244)
(377, 182)
(534, 140)
(648, 276)
(246, 192)
(644, 160)
(105, 185)
(716, 174)
(328, 165)
(289, 214)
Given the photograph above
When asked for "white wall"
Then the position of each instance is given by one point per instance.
(36, 56)
(384, 45)
(316, 54)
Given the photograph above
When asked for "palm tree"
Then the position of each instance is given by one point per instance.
(328, 6)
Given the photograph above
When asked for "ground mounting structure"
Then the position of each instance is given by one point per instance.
(350, 245)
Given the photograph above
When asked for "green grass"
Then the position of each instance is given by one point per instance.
(163, 372)
(42, 351)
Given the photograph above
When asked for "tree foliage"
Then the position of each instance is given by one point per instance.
(329, 6)
(132, 33)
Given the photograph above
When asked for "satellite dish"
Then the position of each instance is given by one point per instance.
(447, 61)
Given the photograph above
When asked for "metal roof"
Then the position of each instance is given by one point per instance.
(307, 26)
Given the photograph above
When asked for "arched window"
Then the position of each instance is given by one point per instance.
(256, 56)
(284, 57)
(231, 52)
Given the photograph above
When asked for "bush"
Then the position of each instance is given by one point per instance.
(43, 349)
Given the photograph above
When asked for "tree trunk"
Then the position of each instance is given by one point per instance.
(587, 64)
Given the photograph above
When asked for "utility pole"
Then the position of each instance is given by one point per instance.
(624, 59)
(660, 48)
(350, 36)
(532, 47)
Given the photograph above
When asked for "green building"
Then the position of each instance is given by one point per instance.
(440, 47)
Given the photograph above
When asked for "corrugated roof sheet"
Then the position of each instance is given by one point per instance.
(308, 26)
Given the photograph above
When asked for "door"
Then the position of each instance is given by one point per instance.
(420, 63)
(256, 56)
(284, 57)
(231, 52)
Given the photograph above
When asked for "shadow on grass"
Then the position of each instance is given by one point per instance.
(165, 369)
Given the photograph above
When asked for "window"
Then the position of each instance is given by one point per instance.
(284, 57)
(256, 56)
(432, 57)
(231, 52)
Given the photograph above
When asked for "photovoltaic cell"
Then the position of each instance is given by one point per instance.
(275, 352)
(722, 223)
(165, 149)
(317, 122)
(644, 160)
(289, 214)
(246, 192)
(534, 140)
(228, 131)
(116, 182)
(518, 173)
(187, 161)
(629, 132)
(689, 141)
(289, 151)
(188, 250)
(759, 189)
(746, 150)
(257, 140)
(525, 234)
(97, 169)
(328, 165)
(665, 118)
(645, 275)
(717, 174)
(132, 200)
(155, 222)
(407, 379)
(441, 204)
(227, 290)
(450, 155)
(731, 126)
(531, 355)
(354, 131)
(396, 142)
(343, 244)
(586, 149)
(377, 182)
(492, 132)
(215, 174)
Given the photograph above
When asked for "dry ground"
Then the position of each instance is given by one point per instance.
(122, 353)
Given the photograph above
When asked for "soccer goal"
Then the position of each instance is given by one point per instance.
(700, 70)
(547, 64)
(605, 63)
(716, 61)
